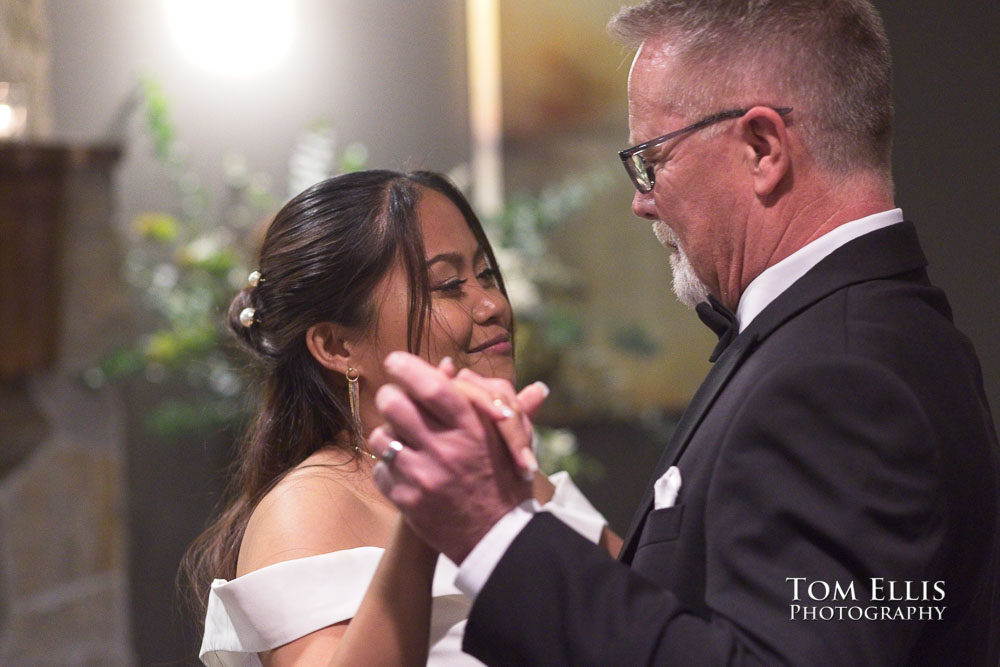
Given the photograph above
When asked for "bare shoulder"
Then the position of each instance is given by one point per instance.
(327, 503)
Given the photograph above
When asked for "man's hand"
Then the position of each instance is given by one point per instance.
(454, 476)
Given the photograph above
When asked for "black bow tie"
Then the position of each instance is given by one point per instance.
(719, 319)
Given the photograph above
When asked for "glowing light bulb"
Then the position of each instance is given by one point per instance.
(13, 110)
(236, 37)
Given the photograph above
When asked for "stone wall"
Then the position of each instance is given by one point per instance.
(63, 565)
(63, 547)
(24, 58)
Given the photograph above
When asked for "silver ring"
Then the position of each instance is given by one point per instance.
(391, 452)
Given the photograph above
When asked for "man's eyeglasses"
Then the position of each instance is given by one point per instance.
(641, 172)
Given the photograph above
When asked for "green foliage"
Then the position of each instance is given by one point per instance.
(562, 327)
(185, 265)
(157, 227)
(177, 417)
(636, 340)
(156, 108)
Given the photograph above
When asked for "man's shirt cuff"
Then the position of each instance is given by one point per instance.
(482, 560)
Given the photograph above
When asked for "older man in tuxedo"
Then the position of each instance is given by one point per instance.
(830, 497)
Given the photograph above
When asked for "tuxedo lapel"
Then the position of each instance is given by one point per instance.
(716, 379)
(886, 252)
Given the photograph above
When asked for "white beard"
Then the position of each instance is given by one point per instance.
(687, 286)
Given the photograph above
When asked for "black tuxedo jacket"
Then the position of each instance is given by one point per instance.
(840, 447)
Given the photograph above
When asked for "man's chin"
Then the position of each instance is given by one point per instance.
(686, 285)
(665, 235)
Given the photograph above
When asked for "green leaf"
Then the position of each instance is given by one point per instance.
(123, 362)
(158, 227)
(171, 347)
(174, 418)
(636, 340)
(562, 328)
(354, 158)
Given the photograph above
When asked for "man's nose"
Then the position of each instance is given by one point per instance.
(643, 205)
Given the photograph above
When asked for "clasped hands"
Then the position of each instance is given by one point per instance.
(466, 457)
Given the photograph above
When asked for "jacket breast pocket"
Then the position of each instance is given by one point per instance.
(656, 554)
(662, 525)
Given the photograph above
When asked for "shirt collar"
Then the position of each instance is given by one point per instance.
(775, 279)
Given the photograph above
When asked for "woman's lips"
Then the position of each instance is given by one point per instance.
(503, 347)
(498, 345)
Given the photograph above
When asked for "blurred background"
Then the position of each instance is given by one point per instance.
(143, 146)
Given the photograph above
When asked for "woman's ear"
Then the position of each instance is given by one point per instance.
(330, 346)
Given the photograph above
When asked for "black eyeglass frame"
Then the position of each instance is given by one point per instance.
(629, 154)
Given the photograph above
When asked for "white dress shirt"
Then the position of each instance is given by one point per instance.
(762, 290)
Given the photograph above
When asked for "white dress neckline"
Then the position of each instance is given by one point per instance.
(280, 603)
(274, 605)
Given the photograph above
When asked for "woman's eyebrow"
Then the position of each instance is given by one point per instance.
(454, 258)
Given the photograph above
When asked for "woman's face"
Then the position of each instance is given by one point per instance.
(470, 319)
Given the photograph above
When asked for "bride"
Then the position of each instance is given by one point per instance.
(308, 563)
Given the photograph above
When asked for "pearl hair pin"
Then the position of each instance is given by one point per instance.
(247, 317)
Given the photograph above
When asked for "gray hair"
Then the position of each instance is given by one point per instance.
(829, 59)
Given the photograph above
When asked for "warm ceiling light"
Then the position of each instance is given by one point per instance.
(232, 36)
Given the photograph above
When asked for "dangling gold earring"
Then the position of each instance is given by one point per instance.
(353, 376)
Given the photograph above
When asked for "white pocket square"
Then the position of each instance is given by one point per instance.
(665, 489)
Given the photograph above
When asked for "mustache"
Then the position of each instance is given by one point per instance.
(664, 234)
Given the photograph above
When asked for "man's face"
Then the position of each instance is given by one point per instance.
(695, 204)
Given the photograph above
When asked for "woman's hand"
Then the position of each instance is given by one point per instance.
(510, 412)
(445, 463)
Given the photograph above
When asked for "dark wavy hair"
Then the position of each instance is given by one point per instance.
(321, 259)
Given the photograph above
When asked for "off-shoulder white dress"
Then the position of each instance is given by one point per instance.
(279, 603)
